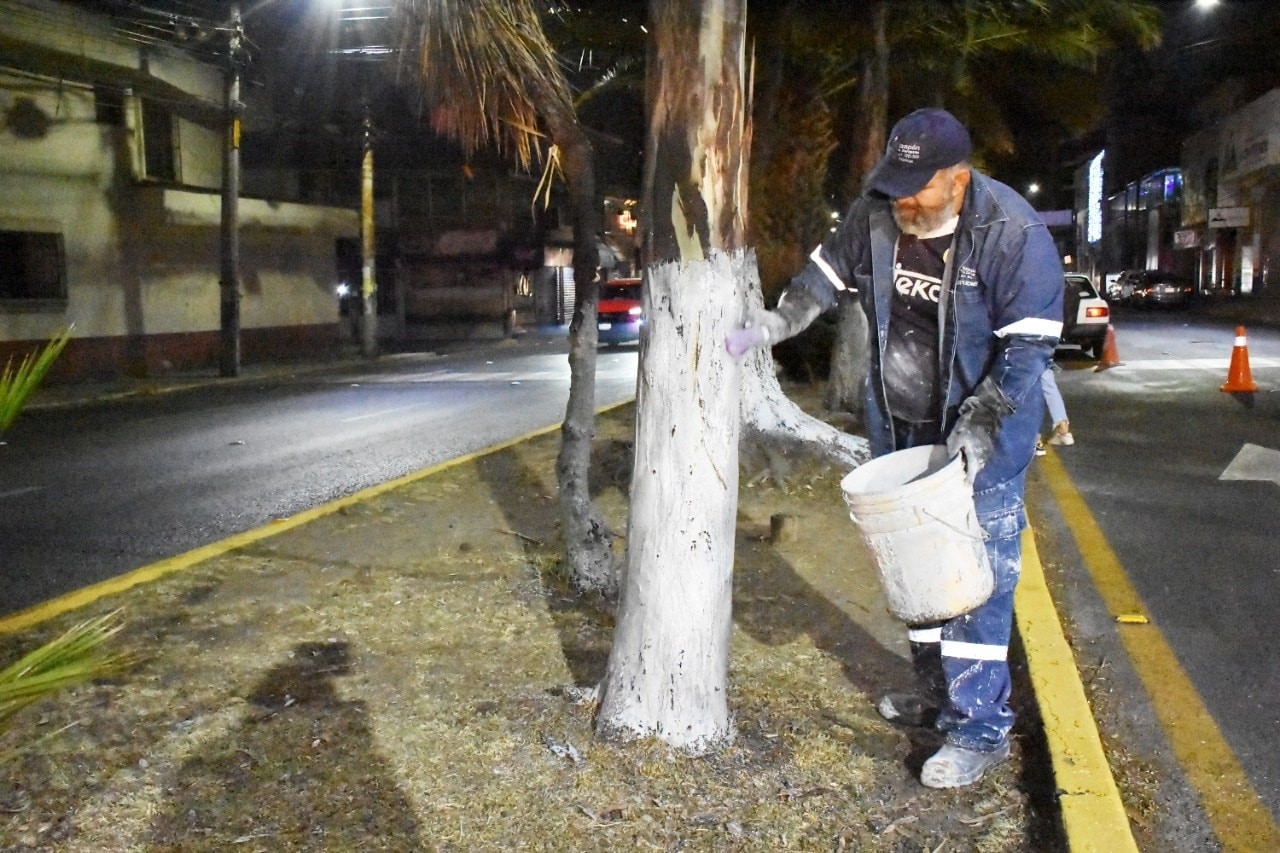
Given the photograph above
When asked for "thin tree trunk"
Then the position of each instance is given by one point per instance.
(668, 667)
(587, 538)
(849, 359)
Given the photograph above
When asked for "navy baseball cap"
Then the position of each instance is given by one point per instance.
(920, 144)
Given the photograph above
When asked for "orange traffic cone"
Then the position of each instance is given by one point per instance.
(1239, 377)
(1110, 356)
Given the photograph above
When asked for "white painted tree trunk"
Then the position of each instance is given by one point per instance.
(668, 667)
(772, 420)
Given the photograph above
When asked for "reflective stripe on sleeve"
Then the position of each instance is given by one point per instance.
(924, 635)
(1032, 326)
(973, 651)
(816, 257)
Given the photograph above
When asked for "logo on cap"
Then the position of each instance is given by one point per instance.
(905, 152)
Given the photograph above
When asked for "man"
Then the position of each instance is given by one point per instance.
(962, 288)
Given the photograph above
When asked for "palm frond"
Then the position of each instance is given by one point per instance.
(75, 657)
(17, 383)
(484, 67)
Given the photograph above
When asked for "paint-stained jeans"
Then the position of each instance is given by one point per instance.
(963, 663)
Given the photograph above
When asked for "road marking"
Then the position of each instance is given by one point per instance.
(1254, 463)
(382, 412)
(1093, 813)
(463, 376)
(1235, 811)
(25, 490)
(1194, 363)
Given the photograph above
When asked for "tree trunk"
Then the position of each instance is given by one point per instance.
(847, 379)
(775, 425)
(849, 359)
(587, 538)
(668, 667)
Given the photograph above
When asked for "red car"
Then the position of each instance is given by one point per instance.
(620, 315)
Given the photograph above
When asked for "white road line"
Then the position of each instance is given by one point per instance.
(1195, 363)
(460, 376)
(382, 412)
(25, 490)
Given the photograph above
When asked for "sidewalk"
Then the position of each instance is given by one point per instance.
(398, 670)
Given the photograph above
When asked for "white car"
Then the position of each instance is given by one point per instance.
(1085, 314)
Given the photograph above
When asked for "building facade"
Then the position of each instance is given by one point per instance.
(110, 208)
(1213, 219)
(1232, 209)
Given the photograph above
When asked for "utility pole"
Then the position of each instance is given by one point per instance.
(368, 247)
(229, 280)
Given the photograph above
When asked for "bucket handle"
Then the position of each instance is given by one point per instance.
(981, 537)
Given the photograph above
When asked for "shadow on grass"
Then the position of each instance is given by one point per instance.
(582, 622)
(772, 602)
(301, 773)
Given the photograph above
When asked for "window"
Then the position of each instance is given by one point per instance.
(108, 106)
(31, 266)
(159, 162)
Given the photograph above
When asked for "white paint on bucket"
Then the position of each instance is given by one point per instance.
(915, 511)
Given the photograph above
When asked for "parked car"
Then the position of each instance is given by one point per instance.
(1162, 289)
(1085, 314)
(1145, 288)
(620, 314)
(1120, 289)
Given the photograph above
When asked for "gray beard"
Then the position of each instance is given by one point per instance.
(924, 224)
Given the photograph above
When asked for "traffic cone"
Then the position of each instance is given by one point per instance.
(1110, 356)
(1239, 377)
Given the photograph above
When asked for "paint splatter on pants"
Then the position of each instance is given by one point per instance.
(963, 662)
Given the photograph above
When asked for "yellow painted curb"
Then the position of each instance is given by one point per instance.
(1232, 805)
(86, 595)
(1093, 814)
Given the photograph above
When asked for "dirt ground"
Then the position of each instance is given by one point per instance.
(406, 675)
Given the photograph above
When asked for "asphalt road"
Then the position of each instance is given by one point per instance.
(1184, 481)
(94, 491)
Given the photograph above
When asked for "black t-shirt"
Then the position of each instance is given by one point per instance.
(911, 351)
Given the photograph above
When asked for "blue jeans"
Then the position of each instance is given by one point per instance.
(1053, 397)
(963, 662)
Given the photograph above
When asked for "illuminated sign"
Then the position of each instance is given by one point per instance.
(1093, 215)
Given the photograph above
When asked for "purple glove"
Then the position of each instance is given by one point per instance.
(740, 340)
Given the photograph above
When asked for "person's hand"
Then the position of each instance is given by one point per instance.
(974, 435)
(761, 328)
(740, 340)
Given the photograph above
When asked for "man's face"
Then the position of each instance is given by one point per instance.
(939, 200)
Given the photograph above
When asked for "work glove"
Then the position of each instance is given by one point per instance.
(761, 328)
(796, 310)
(974, 435)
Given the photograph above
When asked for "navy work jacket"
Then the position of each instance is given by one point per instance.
(1000, 311)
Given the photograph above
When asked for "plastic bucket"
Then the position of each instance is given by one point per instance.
(915, 511)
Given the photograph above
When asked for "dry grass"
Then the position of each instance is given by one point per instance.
(401, 676)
